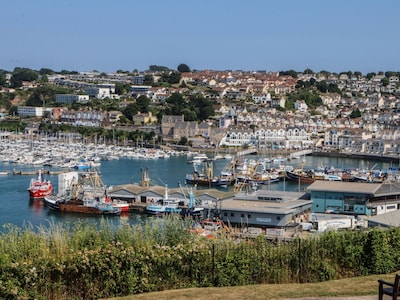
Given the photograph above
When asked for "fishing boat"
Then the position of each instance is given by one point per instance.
(202, 176)
(301, 176)
(193, 205)
(265, 177)
(120, 204)
(165, 205)
(83, 166)
(88, 195)
(39, 187)
(199, 158)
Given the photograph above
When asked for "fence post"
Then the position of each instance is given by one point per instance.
(300, 263)
(213, 263)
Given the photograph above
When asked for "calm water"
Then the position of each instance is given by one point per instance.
(16, 207)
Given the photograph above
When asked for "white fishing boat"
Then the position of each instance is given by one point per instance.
(165, 205)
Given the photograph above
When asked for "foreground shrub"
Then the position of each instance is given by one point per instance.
(84, 261)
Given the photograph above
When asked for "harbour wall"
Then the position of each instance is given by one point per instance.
(379, 157)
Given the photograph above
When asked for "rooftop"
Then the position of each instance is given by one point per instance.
(263, 201)
(390, 219)
(346, 187)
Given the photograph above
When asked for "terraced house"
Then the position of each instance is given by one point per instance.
(279, 137)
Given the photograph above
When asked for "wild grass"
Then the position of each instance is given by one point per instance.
(86, 261)
(349, 287)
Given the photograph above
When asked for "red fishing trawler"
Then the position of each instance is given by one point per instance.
(39, 188)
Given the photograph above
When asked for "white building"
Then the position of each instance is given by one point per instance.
(71, 98)
(268, 137)
(101, 91)
(30, 111)
(301, 106)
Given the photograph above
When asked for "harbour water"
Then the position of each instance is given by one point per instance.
(16, 207)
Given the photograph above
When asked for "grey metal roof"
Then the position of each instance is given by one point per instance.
(390, 219)
(388, 189)
(286, 202)
(260, 206)
(346, 187)
(136, 190)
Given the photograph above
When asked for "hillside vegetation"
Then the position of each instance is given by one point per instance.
(81, 261)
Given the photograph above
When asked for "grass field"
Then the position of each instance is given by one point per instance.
(358, 286)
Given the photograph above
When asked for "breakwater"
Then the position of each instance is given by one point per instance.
(366, 156)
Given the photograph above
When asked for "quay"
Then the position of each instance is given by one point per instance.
(137, 207)
(247, 152)
(20, 172)
(379, 157)
(298, 154)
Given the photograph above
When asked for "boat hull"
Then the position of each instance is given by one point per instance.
(76, 208)
(297, 177)
(39, 188)
(52, 202)
(40, 193)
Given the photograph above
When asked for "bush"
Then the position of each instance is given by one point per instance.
(83, 261)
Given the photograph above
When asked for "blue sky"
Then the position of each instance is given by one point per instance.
(86, 35)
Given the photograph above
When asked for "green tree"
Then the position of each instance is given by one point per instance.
(44, 79)
(44, 95)
(148, 79)
(385, 81)
(171, 77)
(5, 100)
(176, 103)
(23, 74)
(390, 74)
(325, 73)
(13, 110)
(183, 141)
(121, 88)
(189, 114)
(322, 86)
(301, 84)
(46, 71)
(183, 68)
(130, 111)
(2, 79)
(155, 68)
(355, 114)
(142, 104)
(202, 106)
(308, 71)
(333, 88)
(292, 73)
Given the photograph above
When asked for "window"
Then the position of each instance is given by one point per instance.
(249, 216)
(232, 214)
(278, 218)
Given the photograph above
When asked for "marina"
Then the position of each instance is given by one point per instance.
(121, 166)
(18, 209)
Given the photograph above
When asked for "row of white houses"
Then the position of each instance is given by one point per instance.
(288, 137)
(297, 137)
